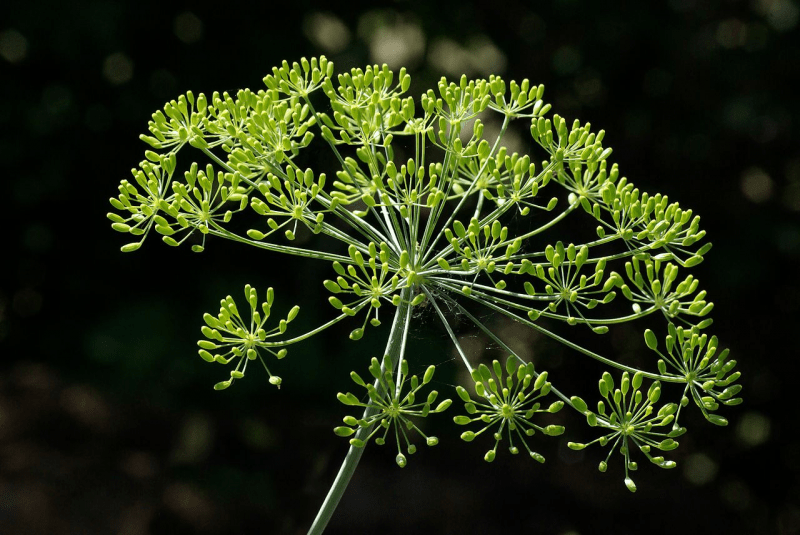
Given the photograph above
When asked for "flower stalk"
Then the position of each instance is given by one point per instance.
(395, 348)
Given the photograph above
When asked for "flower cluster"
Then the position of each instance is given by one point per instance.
(709, 377)
(630, 423)
(424, 204)
(390, 408)
(233, 338)
(510, 402)
(368, 280)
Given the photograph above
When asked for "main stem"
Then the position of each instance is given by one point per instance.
(395, 347)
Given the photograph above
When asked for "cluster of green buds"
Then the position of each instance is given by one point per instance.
(230, 337)
(509, 405)
(627, 416)
(368, 281)
(391, 407)
(708, 376)
(657, 292)
(567, 290)
(427, 215)
(288, 200)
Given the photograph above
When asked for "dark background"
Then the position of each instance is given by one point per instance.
(108, 423)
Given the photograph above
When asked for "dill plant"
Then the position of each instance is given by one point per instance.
(433, 231)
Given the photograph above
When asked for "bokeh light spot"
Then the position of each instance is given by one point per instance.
(753, 428)
(757, 185)
(326, 31)
(447, 56)
(86, 406)
(782, 15)
(118, 68)
(699, 469)
(480, 55)
(195, 440)
(188, 27)
(486, 57)
(191, 505)
(13, 46)
(392, 38)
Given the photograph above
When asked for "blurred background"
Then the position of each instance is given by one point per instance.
(108, 422)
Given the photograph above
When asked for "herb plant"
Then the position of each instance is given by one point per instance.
(455, 223)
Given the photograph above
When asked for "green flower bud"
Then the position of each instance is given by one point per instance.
(348, 399)
(578, 404)
(667, 445)
(443, 406)
(650, 339)
(343, 431)
(716, 419)
(356, 334)
(553, 430)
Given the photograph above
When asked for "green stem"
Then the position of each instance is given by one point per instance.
(469, 190)
(217, 230)
(576, 347)
(311, 333)
(339, 157)
(395, 348)
(449, 329)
